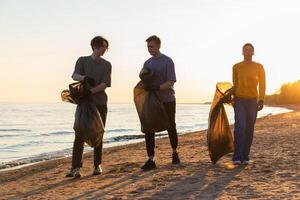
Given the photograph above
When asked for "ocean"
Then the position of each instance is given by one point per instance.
(32, 132)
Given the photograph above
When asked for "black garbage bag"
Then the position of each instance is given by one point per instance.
(150, 109)
(219, 136)
(76, 94)
(88, 123)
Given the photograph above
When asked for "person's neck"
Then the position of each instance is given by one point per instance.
(94, 57)
(248, 60)
(157, 55)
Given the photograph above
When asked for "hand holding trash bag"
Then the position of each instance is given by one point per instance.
(227, 97)
(88, 93)
(152, 88)
(90, 81)
(219, 136)
(150, 109)
(146, 75)
(88, 123)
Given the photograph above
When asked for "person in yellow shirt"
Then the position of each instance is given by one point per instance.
(247, 76)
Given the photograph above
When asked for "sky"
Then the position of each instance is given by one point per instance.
(40, 42)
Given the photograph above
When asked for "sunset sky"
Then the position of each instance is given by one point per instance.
(40, 42)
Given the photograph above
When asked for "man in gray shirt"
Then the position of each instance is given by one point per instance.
(97, 72)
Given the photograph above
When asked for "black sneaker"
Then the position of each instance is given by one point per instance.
(149, 165)
(175, 158)
(97, 170)
(74, 173)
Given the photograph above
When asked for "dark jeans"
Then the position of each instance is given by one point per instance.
(245, 111)
(170, 108)
(79, 143)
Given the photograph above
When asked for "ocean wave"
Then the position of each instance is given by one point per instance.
(186, 127)
(15, 130)
(129, 137)
(56, 133)
(120, 130)
(12, 125)
(12, 135)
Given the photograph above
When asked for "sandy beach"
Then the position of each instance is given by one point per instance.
(273, 173)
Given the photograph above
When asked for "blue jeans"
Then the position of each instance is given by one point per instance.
(245, 111)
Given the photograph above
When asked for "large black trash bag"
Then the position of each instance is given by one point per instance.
(219, 136)
(150, 109)
(88, 123)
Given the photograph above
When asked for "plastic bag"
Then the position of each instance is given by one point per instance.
(150, 109)
(219, 136)
(88, 123)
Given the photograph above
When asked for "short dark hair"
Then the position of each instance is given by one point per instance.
(248, 44)
(154, 38)
(98, 42)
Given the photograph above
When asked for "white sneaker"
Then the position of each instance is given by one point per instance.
(97, 170)
(236, 162)
(74, 173)
(245, 162)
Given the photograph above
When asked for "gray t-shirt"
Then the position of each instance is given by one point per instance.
(164, 70)
(99, 70)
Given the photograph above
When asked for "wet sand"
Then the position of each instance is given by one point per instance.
(273, 173)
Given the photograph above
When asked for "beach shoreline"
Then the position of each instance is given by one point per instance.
(119, 140)
(273, 172)
(57, 154)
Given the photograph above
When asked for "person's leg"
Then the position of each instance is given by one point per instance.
(150, 144)
(98, 149)
(170, 108)
(77, 152)
(239, 128)
(251, 110)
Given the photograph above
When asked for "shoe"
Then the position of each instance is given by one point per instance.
(236, 162)
(149, 165)
(245, 162)
(97, 170)
(175, 158)
(74, 173)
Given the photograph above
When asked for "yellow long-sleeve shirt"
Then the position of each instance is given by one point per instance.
(246, 77)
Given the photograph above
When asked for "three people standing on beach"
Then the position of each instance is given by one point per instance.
(246, 75)
(163, 81)
(97, 72)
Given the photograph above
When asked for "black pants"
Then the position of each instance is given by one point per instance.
(170, 108)
(78, 145)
